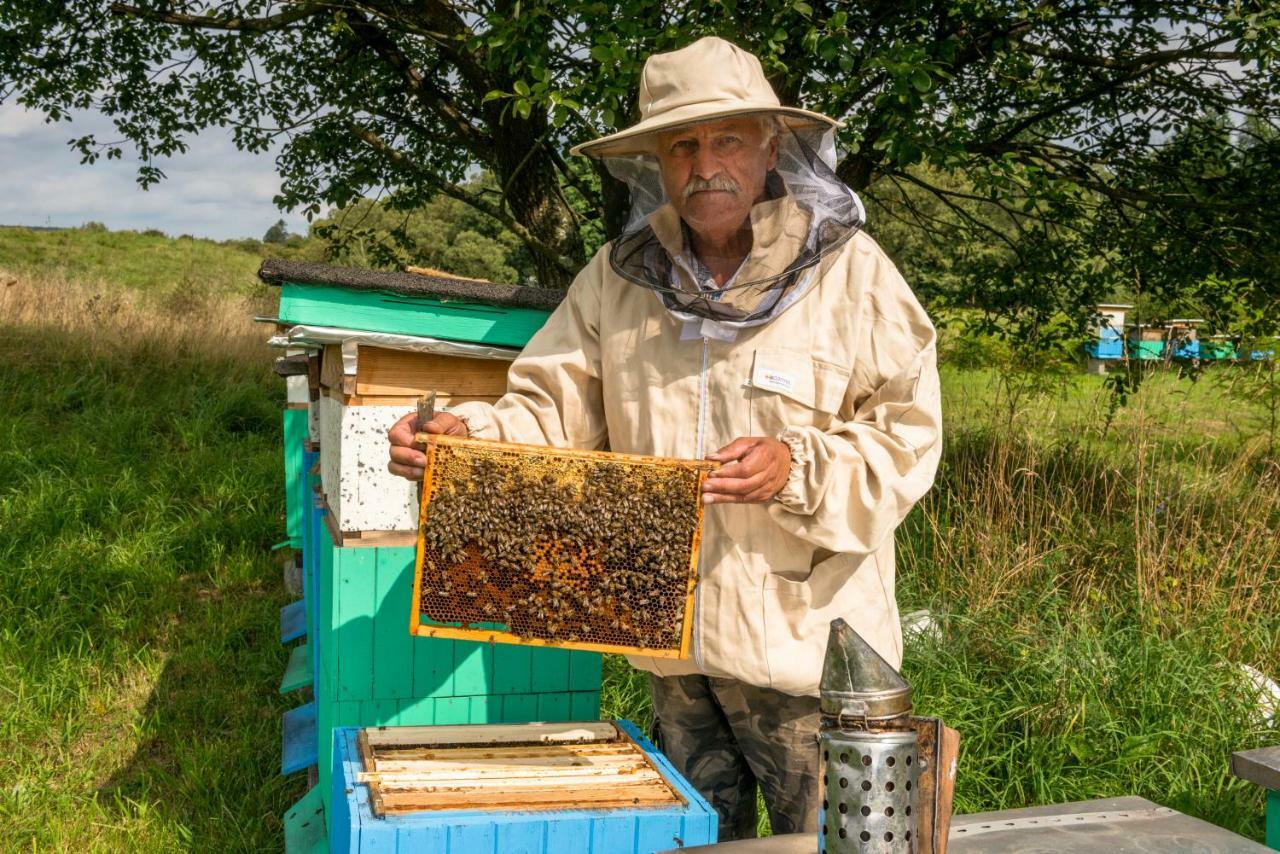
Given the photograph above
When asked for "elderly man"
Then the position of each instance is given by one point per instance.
(742, 316)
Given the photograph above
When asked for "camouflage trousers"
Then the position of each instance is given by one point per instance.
(726, 736)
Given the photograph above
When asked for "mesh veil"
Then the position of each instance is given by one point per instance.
(805, 171)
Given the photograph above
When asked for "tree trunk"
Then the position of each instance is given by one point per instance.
(530, 187)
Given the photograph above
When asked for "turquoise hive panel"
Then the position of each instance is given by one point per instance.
(377, 311)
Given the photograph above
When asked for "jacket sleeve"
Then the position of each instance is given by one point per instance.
(852, 484)
(553, 387)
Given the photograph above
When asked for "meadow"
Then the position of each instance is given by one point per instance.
(1094, 586)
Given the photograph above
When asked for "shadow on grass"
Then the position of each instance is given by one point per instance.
(139, 497)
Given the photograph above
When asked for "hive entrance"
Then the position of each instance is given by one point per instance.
(573, 548)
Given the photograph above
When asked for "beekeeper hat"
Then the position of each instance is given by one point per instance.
(709, 79)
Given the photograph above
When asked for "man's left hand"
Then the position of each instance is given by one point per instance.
(753, 469)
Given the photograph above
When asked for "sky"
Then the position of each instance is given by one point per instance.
(211, 191)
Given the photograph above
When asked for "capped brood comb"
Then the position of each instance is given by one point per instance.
(537, 545)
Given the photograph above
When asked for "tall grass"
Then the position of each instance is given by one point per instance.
(1095, 599)
(1094, 591)
(139, 499)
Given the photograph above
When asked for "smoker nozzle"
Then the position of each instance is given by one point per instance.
(858, 686)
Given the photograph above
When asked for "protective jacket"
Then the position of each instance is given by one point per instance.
(846, 377)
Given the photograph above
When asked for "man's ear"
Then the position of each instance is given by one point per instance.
(773, 152)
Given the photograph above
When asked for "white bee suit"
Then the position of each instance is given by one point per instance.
(846, 376)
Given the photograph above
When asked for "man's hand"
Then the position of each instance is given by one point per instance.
(407, 457)
(753, 469)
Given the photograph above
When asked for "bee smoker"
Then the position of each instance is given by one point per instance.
(889, 776)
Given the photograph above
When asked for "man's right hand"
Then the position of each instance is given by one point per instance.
(407, 457)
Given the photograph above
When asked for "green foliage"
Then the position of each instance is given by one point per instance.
(1043, 128)
(444, 233)
(277, 233)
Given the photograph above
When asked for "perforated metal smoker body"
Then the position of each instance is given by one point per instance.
(867, 792)
(535, 545)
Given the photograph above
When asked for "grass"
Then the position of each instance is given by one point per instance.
(138, 597)
(1094, 591)
(148, 262)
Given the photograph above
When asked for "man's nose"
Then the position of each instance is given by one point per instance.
(705, 164)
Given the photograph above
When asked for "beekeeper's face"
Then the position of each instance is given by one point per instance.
(715, 171)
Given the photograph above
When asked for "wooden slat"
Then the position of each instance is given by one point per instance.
(593, 765)
(442, 400)
(331, 367)
(427, 630)
(648, 794)
(499, 752)
(398, 782)
(382, 371)
(568, 760)
(450, 736)
(541, 771)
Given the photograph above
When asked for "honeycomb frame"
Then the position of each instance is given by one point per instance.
(567, 570)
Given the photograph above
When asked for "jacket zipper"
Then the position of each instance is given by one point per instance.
(702, 417)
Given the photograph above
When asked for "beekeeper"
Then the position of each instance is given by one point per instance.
(743, 316)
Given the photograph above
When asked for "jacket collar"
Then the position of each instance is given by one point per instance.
(779, 230)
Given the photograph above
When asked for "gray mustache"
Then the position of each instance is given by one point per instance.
(715, 182)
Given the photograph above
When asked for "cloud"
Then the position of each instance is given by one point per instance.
(213, 190)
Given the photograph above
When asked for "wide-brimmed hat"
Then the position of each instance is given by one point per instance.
(709, 79)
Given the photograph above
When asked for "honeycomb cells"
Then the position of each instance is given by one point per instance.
(573, 549)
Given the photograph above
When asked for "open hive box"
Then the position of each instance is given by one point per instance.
(525, 767)
(536, 545)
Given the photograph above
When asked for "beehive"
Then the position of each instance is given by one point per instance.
(535, 545)
(356, 411)
(531, 767)
(538, 789)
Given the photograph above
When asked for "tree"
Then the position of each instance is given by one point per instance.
(444, 233)
(1040, 106)
(278, 233)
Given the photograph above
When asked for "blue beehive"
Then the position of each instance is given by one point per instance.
(684, 819)
(1109, 328)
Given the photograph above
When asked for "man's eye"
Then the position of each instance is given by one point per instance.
(683, 146)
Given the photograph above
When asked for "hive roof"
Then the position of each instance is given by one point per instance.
(275, 271)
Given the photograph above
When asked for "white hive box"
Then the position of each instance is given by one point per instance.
(364, 390)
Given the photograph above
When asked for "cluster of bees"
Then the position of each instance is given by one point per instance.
(563, 549)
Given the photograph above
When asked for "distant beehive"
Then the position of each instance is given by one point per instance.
(536, 545)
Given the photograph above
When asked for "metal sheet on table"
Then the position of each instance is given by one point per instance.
(1106, 826)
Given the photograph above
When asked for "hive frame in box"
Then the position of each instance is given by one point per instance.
(637, 830)
(418, 628)
(531, 741)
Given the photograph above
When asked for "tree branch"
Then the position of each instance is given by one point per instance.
(1160, 57)
(405, 163)
(427, 94)
(236, 24)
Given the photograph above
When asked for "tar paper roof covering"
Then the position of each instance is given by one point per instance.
(276, 272)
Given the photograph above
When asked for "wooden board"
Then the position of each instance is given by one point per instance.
(384, 372)
(478, 734)
(594, 765)
(427, 620)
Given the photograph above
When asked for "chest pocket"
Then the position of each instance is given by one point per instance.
(792, 389)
